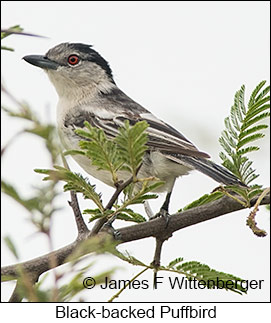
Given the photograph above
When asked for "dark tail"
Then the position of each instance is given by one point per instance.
(211, 169)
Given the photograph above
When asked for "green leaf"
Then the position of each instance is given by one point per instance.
(7, 48)
(253, 112)
(128, 258)
(250, 176)
(132, 142)
(255, 119)
(10, 31)
(24, 113)
(11, 246)
(206, 198)
(227, 146)
(263, 93)
(241, 191)
(139, 199)
(29, 204)
(68, 291)
(234, 118)
(247, 150)
(210, 277)
(251, 130)
(249, 139)
(230, 128)
(241, 130)
(254, 93)
(141, 195)
(229, 141)
(239, 104)
(74, 152)
(259, 103)
(43, 131)
(175, 262)
(97, 214)
(129, 215)
(100, 150)
(74, 182)
(255, 190)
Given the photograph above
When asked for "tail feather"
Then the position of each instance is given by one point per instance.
(211, 169)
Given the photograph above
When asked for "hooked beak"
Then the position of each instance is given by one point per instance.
(41, 61)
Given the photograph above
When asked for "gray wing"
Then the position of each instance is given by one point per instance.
(161, 136)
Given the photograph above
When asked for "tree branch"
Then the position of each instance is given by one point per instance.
(80, 223)
(154, 228)
(178, 221)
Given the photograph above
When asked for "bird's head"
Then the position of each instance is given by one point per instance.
(75, 67)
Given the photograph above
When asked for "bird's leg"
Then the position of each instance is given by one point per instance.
(164, 210)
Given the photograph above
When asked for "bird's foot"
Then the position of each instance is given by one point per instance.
(108, 227)
(163, 214)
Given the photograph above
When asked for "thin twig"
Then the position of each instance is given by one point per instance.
(10, 31)
(157, 253)
(251, 222)
(156, 259)
(127, 284)
(80, 223)
(16, 297)
(120, 187)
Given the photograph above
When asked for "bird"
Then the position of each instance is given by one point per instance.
(87, 91)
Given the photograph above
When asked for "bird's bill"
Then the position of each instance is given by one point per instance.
(41, 61)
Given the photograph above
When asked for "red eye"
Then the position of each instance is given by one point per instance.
(73, 59)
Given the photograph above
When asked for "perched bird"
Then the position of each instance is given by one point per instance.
(87, 92)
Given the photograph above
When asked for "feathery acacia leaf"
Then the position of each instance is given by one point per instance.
(29, 204)
(100, 150)
(211, 278)
(230, 128)
(125, 214)
(175, 262)
(131, 142)
(252, 130)
(252, 113)
(241, 130)
(206, 198)
(255, 92)
(74, 182)
(125, 152)
(249, 139)
(263, 93)
(257, 118)
(247, 150)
